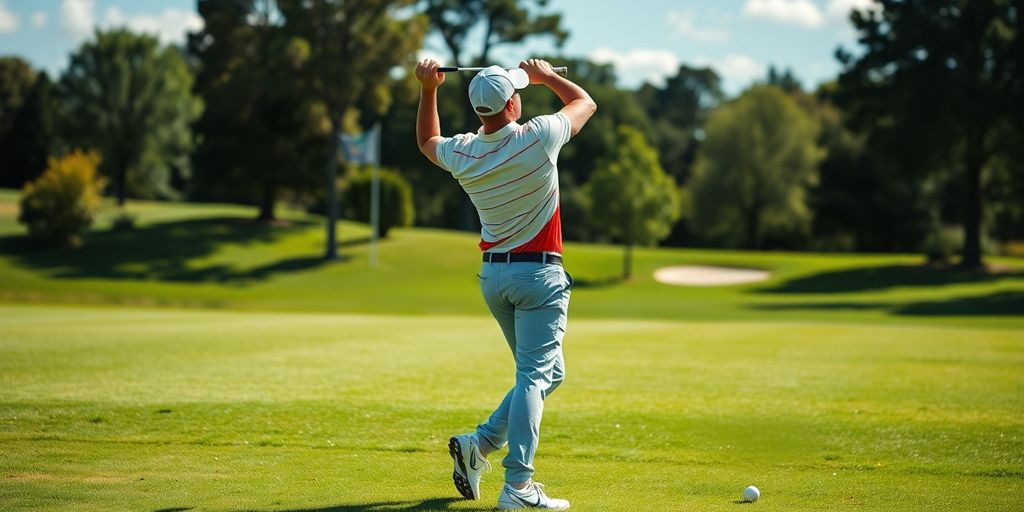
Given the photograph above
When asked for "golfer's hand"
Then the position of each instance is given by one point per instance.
(538, 70)
(427, 74)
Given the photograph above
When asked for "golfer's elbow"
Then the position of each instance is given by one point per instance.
(591, 105)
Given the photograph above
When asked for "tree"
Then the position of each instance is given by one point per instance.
(938, 85)
(634, 201)
(25, 131)
(752, 173)
(261, 132)
(354, 47)
(130, 99)
(783, 79)
(678, 111)
(859, 202)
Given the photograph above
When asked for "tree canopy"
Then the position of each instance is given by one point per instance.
(633, 200)
(938, 85)
(129, 98)
(752, 174)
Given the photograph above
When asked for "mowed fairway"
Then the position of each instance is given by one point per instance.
(203, 362)
(135, 409)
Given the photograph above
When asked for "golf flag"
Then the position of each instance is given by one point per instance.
(363, 148)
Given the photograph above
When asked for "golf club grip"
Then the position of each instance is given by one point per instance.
(561, 70)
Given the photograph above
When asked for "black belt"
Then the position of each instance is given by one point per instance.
(516, 257)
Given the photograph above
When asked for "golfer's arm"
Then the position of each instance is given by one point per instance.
(428, 124)
(579, 106)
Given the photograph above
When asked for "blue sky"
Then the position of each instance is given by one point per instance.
(646, 40)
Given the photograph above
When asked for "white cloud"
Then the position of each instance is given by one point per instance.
(737, 71)
(682, 23)
(840, 9)
(803, 13)
(39, 19)
(8, 21)
(638, 66)
(76, 17)
(170, 25)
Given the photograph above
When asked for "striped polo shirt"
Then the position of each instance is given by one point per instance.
(512, 178)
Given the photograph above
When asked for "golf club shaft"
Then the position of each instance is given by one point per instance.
(561, 70)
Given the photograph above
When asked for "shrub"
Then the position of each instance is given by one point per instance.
(59, 206)
(396, 206)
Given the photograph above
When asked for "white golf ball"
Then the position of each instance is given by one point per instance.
(751, 494)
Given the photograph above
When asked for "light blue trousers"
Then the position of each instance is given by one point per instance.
(530, 302)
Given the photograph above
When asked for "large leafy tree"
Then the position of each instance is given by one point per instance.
(754, 169)
(354, 48)
(938, 84)
(129, 98)
(633, 200)
(261, 132)
(25, 128)
(288, 76)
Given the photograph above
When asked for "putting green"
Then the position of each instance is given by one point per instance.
(142, 409)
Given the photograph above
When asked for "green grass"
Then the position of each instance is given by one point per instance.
(214, 256)
(114, 409)
(205, 362)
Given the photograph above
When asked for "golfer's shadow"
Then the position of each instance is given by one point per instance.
(435, 504)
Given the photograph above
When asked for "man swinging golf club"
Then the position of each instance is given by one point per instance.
(510, 173)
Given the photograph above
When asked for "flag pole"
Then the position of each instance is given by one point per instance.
(375, 196)
(331, 251)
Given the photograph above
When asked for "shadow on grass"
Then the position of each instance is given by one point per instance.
(424, 505)
(582, 282)
(165, 252)
(1009, 303)
(885, 277)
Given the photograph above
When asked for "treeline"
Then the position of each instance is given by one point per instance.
(916, 146)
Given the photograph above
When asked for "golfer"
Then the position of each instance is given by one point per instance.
(510, 172)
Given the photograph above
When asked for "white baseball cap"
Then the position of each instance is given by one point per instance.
(492, 87)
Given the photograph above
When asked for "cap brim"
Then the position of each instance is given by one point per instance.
(519, 78)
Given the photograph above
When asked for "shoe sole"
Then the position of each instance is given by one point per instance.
(461, 482)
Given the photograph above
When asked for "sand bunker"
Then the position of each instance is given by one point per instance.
(693, 275)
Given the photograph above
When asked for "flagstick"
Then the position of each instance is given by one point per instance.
(375, 196)
(331, 251)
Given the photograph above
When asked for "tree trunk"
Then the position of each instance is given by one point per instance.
(331, 250)
(975, 160)
(122, 182)
(754, 228)
(627, 262)
(267, 199)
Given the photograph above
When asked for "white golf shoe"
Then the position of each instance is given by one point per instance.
(469, 465)
(531, 497)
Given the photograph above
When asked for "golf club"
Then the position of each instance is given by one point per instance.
(561, 70)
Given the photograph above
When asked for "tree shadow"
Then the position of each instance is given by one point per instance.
(582, 282)
(885, 277)
(1006, 303)
(164, 252)
(433, 504)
